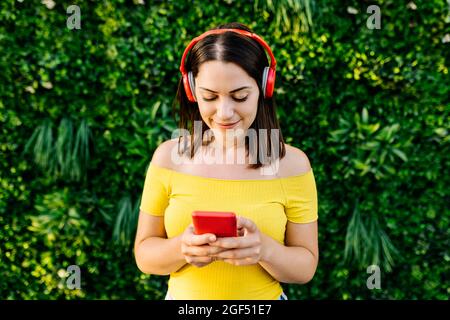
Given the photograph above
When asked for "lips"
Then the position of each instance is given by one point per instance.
(227, 125)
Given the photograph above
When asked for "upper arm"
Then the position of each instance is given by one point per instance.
(303, 235)
(150, 225)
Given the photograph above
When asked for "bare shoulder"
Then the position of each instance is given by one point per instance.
(162, 157)
(296, 162)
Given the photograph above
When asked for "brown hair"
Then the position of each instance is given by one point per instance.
(248, 54)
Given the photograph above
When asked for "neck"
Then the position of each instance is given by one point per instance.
(230, 151)
(228, 145)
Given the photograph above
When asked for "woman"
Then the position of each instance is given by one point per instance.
(227, 88)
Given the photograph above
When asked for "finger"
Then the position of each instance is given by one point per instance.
(233, 242)
(188, 232)
(247, 224)
(239, 253)
(204, 250)
(215, 250)
(194, 260)
(198, 240)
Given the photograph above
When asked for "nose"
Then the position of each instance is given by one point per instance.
(225, 109)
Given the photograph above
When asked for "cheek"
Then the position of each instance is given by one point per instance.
(249, 110)
(205, 109)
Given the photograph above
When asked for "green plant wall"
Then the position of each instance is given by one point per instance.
(81, 112)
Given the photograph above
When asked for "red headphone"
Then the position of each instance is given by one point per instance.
(268, 81)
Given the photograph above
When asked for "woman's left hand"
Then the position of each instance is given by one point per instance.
(246, 249)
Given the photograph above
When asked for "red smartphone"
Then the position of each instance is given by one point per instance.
(222, 224)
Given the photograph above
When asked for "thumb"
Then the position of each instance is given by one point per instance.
(247, 224)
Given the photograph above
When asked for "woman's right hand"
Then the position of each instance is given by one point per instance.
(196, 249)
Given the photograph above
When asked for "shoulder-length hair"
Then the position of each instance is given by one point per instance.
(250, 55)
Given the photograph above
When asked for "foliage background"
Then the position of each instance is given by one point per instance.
(81, 112)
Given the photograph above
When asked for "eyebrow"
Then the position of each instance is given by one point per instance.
(232, 91)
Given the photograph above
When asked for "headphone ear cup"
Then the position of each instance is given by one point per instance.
(264, 81)
(187, 87)
(270, 85)
(192, 85)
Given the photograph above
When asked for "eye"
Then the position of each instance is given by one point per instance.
(235, 99)
(241, 100)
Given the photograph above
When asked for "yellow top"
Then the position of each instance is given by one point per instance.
(268, 203)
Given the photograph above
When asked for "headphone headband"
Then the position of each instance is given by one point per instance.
(273, 62)
(268, 81)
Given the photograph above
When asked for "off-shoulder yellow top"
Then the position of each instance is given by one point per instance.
(268, 203)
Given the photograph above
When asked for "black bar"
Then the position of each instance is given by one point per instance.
(215, 309)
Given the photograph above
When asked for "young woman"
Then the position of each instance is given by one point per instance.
(226, 106)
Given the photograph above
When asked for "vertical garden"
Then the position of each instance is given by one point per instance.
(82, 110)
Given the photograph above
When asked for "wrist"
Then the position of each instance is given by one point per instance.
(177, 243)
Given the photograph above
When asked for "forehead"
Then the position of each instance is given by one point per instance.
(219, 75)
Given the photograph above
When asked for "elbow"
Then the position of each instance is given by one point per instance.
(138, 259)
(148, 267)
(304, 279)
(308, 273)
(140, 265)
(311, 270)
(307, 278)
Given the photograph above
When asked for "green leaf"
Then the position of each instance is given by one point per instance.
(365, 116)
(400, 154)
